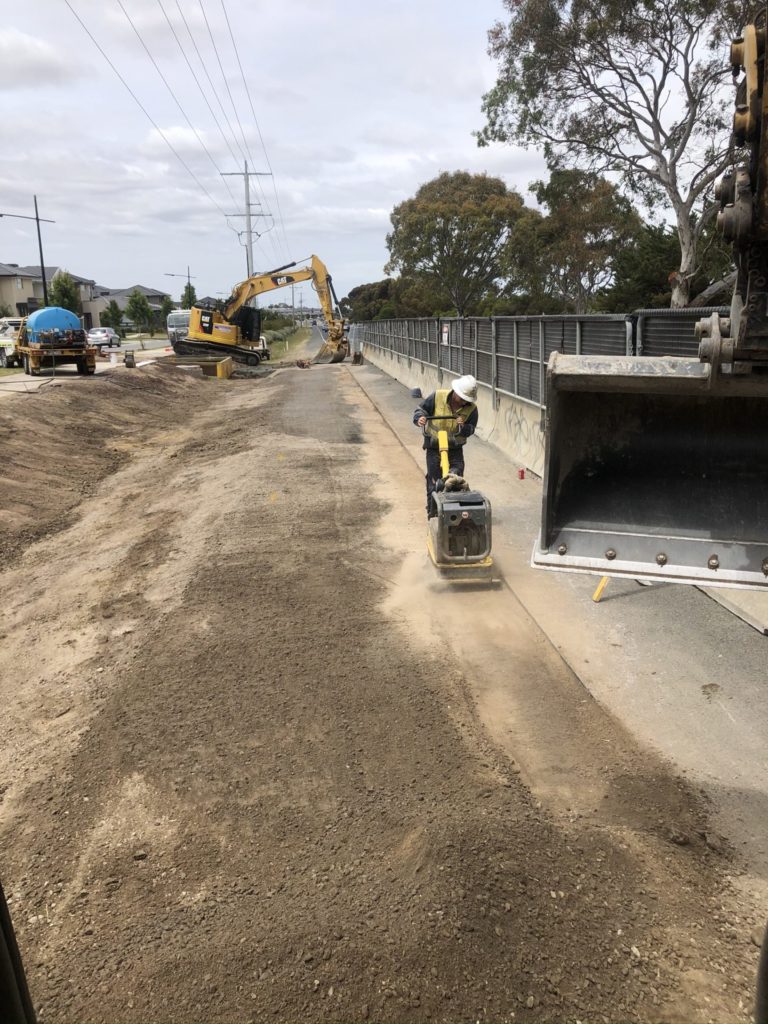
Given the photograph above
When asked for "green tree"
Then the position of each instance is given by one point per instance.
(165, 308)
(112, 316)
(63, 291)
(587, 226)
(452, 233)
(138, 311)
(5, 309)
(645, 269)
(365, 301)
(188, 296)
(634, 89)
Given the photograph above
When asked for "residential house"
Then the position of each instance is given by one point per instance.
(21, 288)
(103, 297)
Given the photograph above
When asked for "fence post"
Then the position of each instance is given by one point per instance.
(439, 358)
(541, 361)
(494, 380)
(578, 337)
(515, 352)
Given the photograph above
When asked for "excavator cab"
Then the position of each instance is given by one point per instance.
(658, 468)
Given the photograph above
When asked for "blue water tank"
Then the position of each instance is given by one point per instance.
(52, 318)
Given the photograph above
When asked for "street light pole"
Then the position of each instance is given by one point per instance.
(37, 218)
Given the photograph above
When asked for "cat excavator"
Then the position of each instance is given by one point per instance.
(233, 327)
(657, 469)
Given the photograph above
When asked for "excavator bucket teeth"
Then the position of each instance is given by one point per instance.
(652, 472)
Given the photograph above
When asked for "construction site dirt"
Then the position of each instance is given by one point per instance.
(254, 766)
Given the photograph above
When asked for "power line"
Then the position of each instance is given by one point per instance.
(144, 110)
(232, 101)
(226, 83)
(225, 140)
(173, 94)
(258, 128)
(204, 65)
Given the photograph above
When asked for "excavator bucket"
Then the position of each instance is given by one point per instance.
(329, 354)
(656, 469)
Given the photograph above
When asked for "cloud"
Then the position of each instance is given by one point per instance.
(30, 63)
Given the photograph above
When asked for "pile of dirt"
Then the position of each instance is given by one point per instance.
(57, 443)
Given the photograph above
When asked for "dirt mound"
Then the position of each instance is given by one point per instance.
(57, 442)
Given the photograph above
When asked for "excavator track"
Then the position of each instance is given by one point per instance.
(187, 347)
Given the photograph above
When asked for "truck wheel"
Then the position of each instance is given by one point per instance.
(25, 364)
(81, 366)
(3, 359)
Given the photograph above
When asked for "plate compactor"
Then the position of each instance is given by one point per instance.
(459, 531)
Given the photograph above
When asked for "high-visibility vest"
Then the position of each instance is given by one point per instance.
(443, 409)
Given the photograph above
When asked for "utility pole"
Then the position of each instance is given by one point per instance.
(37, 218)
(293, 308)
(189, 281)
(247, 175)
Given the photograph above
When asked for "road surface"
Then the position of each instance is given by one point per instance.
(257, 763)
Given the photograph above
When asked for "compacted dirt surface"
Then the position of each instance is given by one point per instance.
(255, 764)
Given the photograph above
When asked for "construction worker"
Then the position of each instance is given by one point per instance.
(457, 404)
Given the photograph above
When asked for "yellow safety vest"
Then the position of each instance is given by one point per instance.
(443, 409)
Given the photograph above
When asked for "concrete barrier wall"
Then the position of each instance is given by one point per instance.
(513, 426)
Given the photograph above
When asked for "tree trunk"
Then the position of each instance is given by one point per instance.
(681, 279)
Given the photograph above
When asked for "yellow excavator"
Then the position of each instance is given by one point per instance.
(233, 327)
(657, 469)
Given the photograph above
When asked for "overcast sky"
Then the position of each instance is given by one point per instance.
(356, 105)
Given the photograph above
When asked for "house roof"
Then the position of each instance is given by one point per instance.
(139, 288)
(14, 270)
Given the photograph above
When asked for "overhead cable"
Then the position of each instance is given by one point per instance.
(258, 128)
(173, 95)
(146, 113)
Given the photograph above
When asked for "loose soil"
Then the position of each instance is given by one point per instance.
(256, 765)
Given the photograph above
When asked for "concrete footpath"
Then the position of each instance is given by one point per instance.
(678, 670)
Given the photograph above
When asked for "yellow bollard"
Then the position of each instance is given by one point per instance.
(600, 588)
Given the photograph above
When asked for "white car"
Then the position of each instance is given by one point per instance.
(103, 337)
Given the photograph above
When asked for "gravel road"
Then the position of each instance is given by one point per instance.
(255, 764)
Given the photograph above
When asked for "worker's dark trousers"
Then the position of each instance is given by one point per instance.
(434, 473)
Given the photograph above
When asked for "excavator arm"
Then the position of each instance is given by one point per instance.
(233, 328)
(322, 283)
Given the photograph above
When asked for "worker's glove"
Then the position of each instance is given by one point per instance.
(454, 482)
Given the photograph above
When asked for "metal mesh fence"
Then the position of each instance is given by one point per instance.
(510, 354)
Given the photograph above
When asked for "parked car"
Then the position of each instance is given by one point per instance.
(103, 337)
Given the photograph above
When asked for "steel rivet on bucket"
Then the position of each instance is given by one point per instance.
(661, 558)
(563, 548)
(610, 554)
(713, 562)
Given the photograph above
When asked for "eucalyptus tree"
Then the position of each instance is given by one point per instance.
(634, 90)
(452, 233)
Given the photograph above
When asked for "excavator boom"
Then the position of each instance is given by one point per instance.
(234, 328)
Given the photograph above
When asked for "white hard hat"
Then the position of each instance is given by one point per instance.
(466, 388)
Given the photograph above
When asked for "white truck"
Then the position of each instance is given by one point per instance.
(9, 329)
